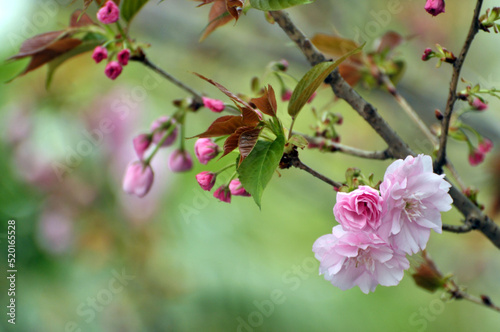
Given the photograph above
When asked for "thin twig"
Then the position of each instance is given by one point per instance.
(144, 60)
(452, 97)
(408, 109)
(299, 164)
(398, 148)
(460, 294)
(465, 228)
(338, 147)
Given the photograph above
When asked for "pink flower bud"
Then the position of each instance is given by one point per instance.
(223, 194)
(138, 179)
(485, 146)
(100, 53)
(237, 189)
(427, 54)
(180, 161)
(478, 104)
(214, 105)
(141, 144)
(434, 7)
(113, 70)
(123, 57)
(475, 157)
(205, 150)
(109, 13)
(206, 180)
(159, 128)
(286, 95)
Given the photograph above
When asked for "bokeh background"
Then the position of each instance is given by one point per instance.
(91, 258)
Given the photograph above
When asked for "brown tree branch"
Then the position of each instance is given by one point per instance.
(397, 147)
(452, 96)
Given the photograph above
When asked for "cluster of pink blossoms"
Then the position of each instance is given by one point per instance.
(205, 150)
(377, 229)
(139, 175)
(108, 14)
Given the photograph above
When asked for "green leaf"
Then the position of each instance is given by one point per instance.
(130, 8)
(267, 5)
(312, 80)
(85, 46)
(258, 168)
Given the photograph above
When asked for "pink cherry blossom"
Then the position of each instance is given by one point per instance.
(485, 145)
(113, 70)
(476, 157)
(237, 189)
(123, 56)
(223, 194)
(141, 144)
(206, 180)
(180, 161)
(214, 105)
(138, 179)
(413, 198)
(358, 210)
(100, 53)
(434, 7)
(109, 13)
(205, 150)
(363, 259)
(160, 126)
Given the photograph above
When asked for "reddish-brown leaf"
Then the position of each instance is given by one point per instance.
(225, 125)
(228, 93)
(37, 43)
(390, 40)
(217, 17)
(266, 103)
(336, 46)
(247, 141)
(250, 117)
(235, 7)
(80, 19)
(232, 141)
(350, 73)
(204, 2)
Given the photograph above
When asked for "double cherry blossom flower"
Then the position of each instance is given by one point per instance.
(377, 229)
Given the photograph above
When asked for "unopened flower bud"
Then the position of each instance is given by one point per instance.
(223, 194)
(237, 189)
(286, 95)
(123, 57)
(109, 13)
(138, 179)
(214, 105)
(476, 157)
(478, 104)
(438, 114)
(100, 53)
(485, 145)
(180, 161)
(141, 144)
(113, 70)
(428, 53)
(434, 7)
(159, 128)
(205, 150)
(428, 276)
(206, 180)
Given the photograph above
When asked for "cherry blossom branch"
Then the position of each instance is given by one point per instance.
(459, 294)
(465, 228)
(197, 101)
(337, 147)
(452, 97)
(397, 147)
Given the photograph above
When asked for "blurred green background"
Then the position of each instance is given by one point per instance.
(91, 258)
